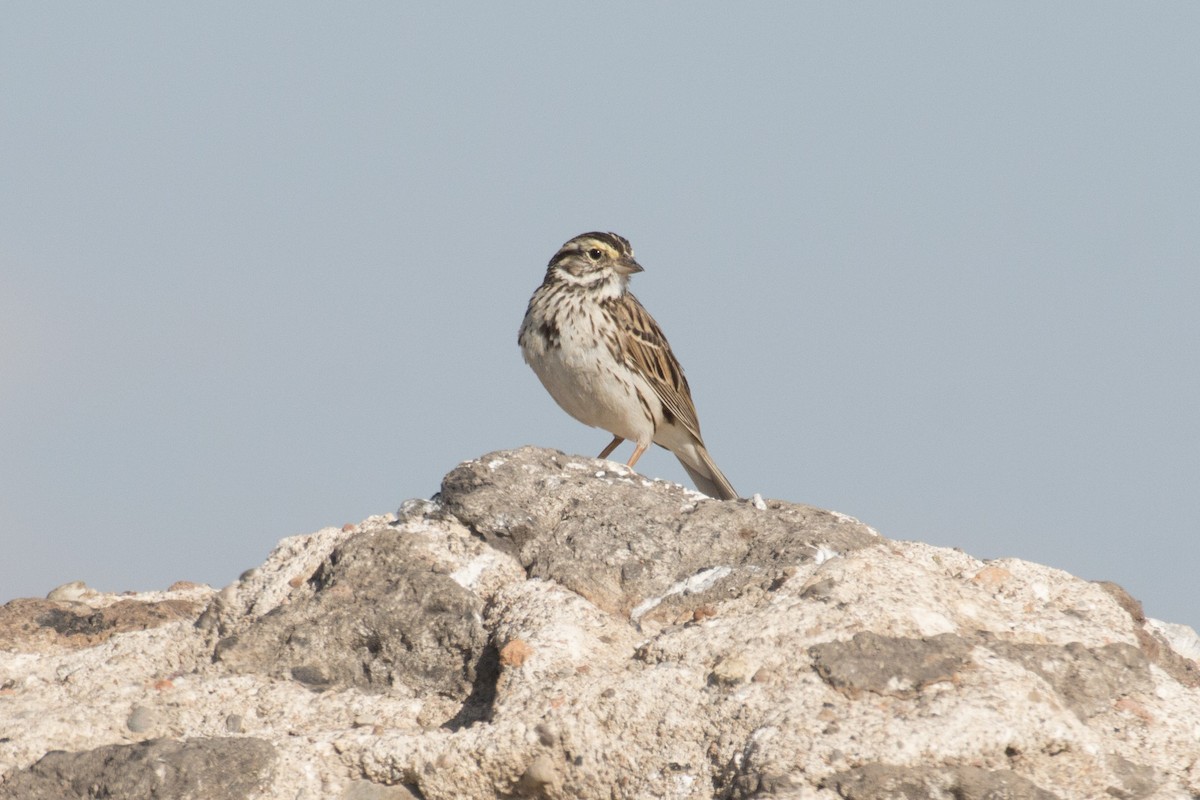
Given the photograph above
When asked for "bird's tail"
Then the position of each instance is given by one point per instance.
(704, 473)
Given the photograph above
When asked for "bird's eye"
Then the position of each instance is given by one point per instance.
(594, 254)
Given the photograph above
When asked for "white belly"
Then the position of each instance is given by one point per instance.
(584, 381)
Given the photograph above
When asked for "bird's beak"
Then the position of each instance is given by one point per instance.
(627, 266)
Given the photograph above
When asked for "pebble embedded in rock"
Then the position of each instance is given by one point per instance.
(75, 590)
(730, 671)
(540, 777)
(141, 719)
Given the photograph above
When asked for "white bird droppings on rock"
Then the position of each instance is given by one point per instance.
(824, 554)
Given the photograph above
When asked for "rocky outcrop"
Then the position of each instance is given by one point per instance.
(559, 627)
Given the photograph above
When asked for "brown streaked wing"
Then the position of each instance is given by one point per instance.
(645, 350)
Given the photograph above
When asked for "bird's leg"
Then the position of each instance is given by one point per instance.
(637, 453)
(606, 452)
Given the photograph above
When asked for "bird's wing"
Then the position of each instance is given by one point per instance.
(645, 350)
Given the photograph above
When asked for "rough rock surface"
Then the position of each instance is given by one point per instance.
(192, 769)
(559, 627)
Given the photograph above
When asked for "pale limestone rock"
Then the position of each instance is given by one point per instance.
(559, 627)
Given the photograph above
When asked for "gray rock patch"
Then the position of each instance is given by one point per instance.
(194, 769)
(887, 782)
(889, 665)
(375, 614)
(1088, 680)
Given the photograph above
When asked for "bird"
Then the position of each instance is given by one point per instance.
(605, 361)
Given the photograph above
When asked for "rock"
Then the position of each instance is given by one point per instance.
(378, 614)
(1087, 680)
(79, 623)
(730, 671)
(365, 790)
(141, 719)
(879, 781)
(559, 627)
(540, 778)
(193, 769)
(889, 665)
(73, 591)
(541, 506)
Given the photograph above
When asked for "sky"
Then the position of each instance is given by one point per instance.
(932, 265)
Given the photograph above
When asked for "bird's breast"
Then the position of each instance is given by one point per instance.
(581, 374)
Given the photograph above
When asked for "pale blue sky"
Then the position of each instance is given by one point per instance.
(936, 266)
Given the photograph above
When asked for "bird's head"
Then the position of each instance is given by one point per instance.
(596, 261)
